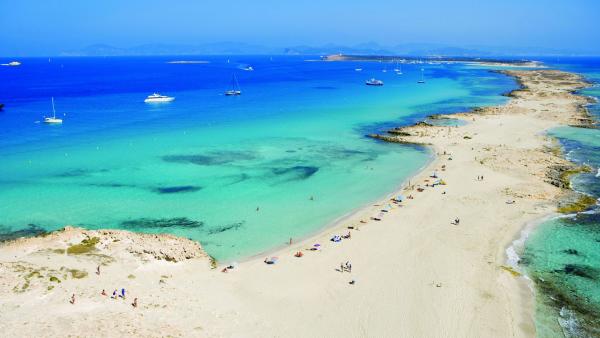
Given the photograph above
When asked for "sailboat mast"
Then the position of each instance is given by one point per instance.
(53, 110)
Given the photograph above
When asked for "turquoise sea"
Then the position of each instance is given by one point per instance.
(562, 255)
(239, 174)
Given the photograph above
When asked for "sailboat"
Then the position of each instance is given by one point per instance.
(422, 80)
(235, 87)
(398, 69)
(53, 119)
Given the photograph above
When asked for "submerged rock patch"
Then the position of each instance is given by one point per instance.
(177, 189)
(298, 172)
(157, 223)
(32, 230)
(227, 227)
(211, 158)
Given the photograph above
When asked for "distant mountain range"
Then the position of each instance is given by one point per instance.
(218, 48)
(236, 48)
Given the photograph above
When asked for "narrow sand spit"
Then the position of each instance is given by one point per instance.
(416, 274)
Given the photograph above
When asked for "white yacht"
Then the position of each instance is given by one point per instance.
(12, 64)
(358, 69)
(53, 119)
(156, 97)
(374, 82)
(248, 68)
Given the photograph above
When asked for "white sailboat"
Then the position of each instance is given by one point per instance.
(422, 80)
(398, 69)
(235, 87)
(53, 119)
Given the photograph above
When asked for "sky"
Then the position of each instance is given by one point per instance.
(49, 27)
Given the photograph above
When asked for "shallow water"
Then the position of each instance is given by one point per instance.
(239, 174)
(562, 255)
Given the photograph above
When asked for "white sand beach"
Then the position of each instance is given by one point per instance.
(415, 272)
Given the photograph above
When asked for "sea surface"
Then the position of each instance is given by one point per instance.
(562, 255)
(241, 174)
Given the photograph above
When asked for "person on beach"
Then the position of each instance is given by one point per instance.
(342, 269)
(98, 270)
(72, 301)
(348, 266)
(103, 293)
(290, 240)
(114, 294)
(122, 293)
(134, 304)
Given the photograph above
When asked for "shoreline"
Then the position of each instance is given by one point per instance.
(337, 223)
(412, 267)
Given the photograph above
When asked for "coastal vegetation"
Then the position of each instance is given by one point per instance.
(583, 203)
(86, 245)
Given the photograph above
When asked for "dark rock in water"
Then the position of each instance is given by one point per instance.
(211, 158)
(1, 106)
(176, 189)
(559, 175)
(157, 223)
(298, 172)
(232, 226)
(571, 252)
(423, 124)
(579, 270)
(32, 230)
(80, 172)
(112, 185)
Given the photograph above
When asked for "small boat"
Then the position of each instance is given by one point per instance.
(374, 82)
(358, 69)
(12, 64)
(156, 97)
(422, 80)
(53, 119)
(398, 69)
(235, 87)
(248, 68)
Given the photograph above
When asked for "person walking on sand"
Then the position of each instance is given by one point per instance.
(342, 267)
(122, 293)
(348, 266)
(134, 304)
(72, 301)
(98, 270)
(114, 295)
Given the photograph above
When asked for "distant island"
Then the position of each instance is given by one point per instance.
(430, 59)
(188, 62)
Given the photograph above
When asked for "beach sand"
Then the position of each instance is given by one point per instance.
(416, 273)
